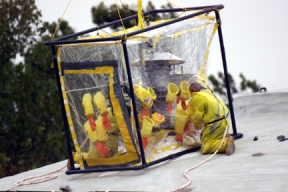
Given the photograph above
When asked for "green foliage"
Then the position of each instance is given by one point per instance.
(149, 7)
(219, 84)
(19, 19)
(102, 14)
(167, 15)
(31, 125)
(248, 84)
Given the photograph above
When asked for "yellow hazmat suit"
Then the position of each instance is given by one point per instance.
(208, 110)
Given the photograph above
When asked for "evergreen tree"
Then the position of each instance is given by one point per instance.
(248, 84)
(102, 14)
(31, 125)
(19, 19)
(170, 15)
(219, 84)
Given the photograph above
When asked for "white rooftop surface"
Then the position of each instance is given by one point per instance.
(264, 115)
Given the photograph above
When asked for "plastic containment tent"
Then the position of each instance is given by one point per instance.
(124, 95)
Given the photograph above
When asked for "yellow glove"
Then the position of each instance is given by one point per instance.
(198, 126)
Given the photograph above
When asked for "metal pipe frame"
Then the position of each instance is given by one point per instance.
(147, 13)
(231, 109)
(169, 157)
(66, 127)
(63, 40)
(133, 101)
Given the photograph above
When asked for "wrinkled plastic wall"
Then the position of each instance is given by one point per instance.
(181, 49)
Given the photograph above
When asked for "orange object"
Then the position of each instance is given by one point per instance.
(105, 122)
(183, 104)
(158, 119)
(145, 112)
(145, 142)
(187, 126)
(179, 137)
(159, 116)
(177, 99)
(188, 131)
(92, 123)
(140, 119)
(102, 149)
(191, 133)
(169, 108)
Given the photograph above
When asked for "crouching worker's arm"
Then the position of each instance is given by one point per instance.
(197, 110)
(198, 126)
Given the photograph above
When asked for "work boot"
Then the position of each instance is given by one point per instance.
(230, 146)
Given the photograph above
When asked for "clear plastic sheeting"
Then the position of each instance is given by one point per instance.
(98, 101)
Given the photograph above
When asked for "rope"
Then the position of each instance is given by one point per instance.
(127, 7)
(201, 163)
(60, 20)
(36, 179)
(105, 32)
(184, 9)
(182, 13)
(119, 14)
(174, 4)
(97, 33)
(139, 12)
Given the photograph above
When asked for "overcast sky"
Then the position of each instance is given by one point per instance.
(254, 32)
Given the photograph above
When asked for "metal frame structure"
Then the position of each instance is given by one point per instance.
(65, 40)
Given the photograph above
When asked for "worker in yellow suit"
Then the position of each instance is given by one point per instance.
(207, 111)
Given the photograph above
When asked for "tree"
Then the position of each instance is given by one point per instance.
(168, 15)
(31, 125)
(19, 19)
(102, 14)
(150, 7)
(219, 86)
(248, 84)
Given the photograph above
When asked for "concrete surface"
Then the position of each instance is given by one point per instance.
(264, 115)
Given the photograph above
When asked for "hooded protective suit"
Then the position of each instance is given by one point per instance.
(206, 108)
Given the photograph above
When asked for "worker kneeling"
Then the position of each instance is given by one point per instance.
(208, 111)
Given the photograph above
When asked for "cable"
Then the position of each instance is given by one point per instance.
(201, 163)
(60, 20)
(184, 9)
(127, 7)
(36, 179)
(119, 15)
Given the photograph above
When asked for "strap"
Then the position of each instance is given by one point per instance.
(218, 119)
